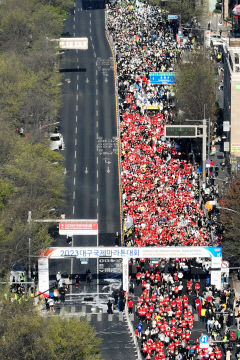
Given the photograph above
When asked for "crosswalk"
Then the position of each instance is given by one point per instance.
(89, 312)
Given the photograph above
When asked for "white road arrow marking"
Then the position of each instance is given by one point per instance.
(107, 162)
(108, 170)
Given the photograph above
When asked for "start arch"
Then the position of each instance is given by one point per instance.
(126, 253)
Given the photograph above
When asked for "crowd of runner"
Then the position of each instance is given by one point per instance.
(162, 197)
(160, 188)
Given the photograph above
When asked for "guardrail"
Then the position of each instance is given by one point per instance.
(131, 330)
(112, 45)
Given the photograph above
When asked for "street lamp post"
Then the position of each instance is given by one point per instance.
(204, 144)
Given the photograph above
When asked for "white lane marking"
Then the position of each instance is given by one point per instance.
(96, 112)
(97, 201)
(90, 38)
(74, 26)
(75, 154)
(74, 11)
(94, 54)
(77, 107)
(96, 81)
(74, 18)
(75, 167)
(73, 209)
(77, 87)
(74, 195)
(96, 91)
(97, 102)
(77, 77)
(90, 29)
(74, 181)
(75, 130)
(90, 15)
(97, 187)
(96, 72)
(77, 59)
(76, 118)
(97, 160)
(97, 124)
(97, 174)
(75, 142)
(77, 97)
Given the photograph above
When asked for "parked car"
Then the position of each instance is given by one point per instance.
(56, 141)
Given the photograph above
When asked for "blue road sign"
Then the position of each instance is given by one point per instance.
(162, 78)
(180, 32)
(204, 339)
(172, 17)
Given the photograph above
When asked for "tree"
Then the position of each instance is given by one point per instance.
(26, 335)
(185, 9)
(31, 180)
(231, 220)
(195, 87)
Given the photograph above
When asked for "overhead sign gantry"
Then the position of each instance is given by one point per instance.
(73, 43)
(126, 253)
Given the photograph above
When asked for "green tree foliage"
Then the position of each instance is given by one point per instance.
(26, 335)
(231, 220)
(195, 87)
(29, 82)
(185, 9)
(31, 180)
(31, 175)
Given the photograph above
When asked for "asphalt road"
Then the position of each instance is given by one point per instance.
(89, 127)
